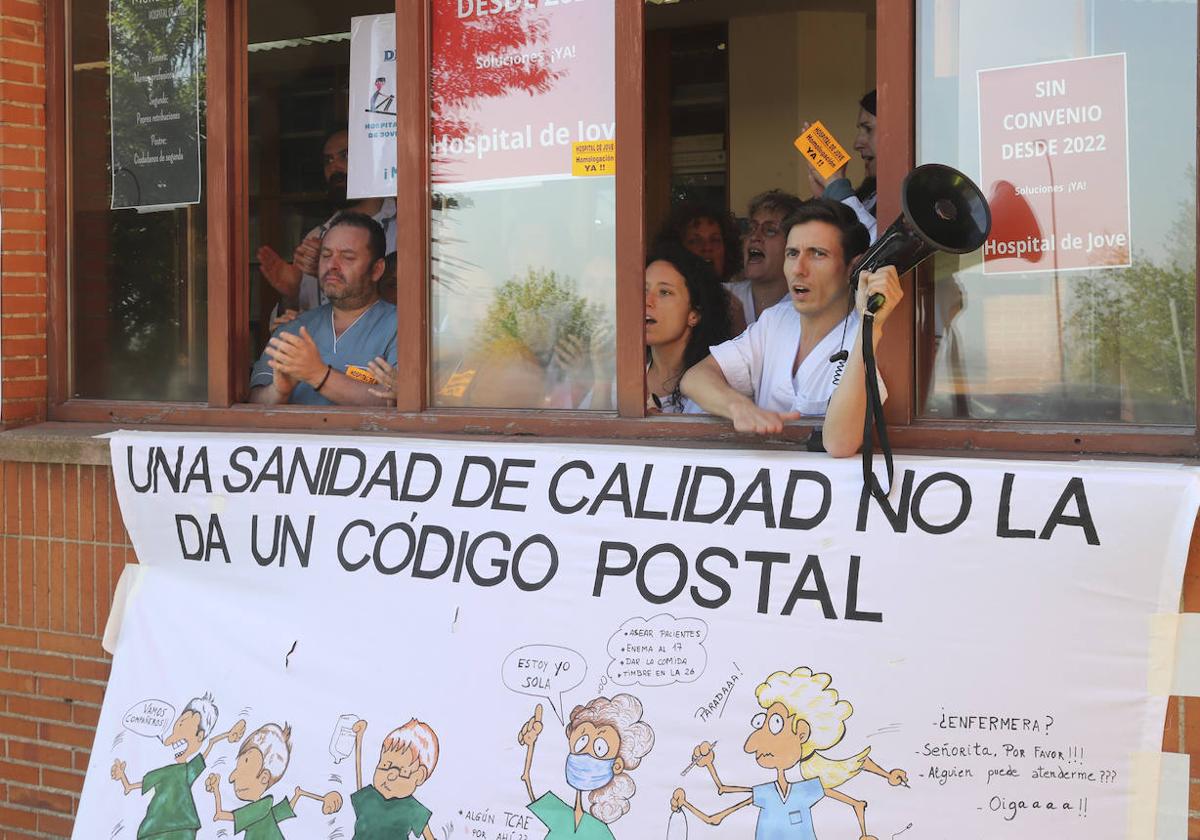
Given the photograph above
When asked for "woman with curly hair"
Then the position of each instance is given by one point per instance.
(607, 738)
(687, 312)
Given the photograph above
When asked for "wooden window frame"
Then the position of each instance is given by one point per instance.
(228, 270)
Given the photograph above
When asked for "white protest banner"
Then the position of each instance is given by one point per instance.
(371, 168)
(363, 637)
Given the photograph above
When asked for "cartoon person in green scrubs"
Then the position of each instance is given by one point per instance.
(607, 738)
(171, 814)
(386, 809)
(261, 763)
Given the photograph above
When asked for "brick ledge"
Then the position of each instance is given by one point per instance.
(57, 443)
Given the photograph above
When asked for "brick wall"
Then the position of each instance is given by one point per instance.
(62, 547)
(23, 202)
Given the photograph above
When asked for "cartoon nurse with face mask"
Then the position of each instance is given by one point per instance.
(607, 739)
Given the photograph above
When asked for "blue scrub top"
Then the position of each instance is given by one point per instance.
(373, 334)
(789, 819)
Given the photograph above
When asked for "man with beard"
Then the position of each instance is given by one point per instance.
(322, 357)
(296, 281)
(762, 284)
(837, 187)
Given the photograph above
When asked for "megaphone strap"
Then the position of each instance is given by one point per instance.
(873, 420)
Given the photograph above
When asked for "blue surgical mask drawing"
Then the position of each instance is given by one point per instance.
(586, 772)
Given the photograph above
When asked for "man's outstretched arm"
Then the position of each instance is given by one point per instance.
(705, 384)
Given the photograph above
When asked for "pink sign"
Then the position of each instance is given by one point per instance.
(516, 84)
(1054, 164)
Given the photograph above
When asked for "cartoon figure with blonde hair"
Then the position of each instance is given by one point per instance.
(261, 762)
(607, 738)
(387, 808)
(801, 717)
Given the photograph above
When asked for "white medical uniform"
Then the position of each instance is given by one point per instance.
(741, 289)
(758, 363)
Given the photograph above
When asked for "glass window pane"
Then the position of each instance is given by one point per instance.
(523, 218)
(137, 274)
(1081, 131)
(300, 154)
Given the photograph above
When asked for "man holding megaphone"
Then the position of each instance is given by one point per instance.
(803, 357)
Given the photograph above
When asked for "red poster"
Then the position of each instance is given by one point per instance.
(516, 85)
(1054, 164)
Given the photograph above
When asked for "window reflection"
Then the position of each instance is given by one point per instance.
(1091, 318)
(137, 280)
(524, 211)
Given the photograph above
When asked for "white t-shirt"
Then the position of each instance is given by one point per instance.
(758, 363)
(863, 210)
(741, 289)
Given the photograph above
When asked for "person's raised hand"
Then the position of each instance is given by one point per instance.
(284, 277)
(886, 282)
(816, 181)
(284, 317)
(385, 379)
(307, 255)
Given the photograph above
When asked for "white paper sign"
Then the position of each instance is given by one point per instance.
(372, 111)
(362, 637)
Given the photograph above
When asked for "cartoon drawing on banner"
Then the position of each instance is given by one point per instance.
(261, 762)
(381, 103)
(387, 807)
(801, 716)
(606, 738)
(658, 651)
(172, 809)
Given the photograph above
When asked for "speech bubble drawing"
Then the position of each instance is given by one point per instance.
(150, 718)
(546, 671)
(658, 651)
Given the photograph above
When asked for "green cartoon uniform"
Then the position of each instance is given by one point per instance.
(171, 814)
(559, 819)
(376, 818)
(260, 820)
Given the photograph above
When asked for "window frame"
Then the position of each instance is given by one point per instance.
(229, 270)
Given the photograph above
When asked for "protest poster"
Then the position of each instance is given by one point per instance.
(1054, 163)
(521, 92)
(347, 634)
(371, 168)
(155, 55)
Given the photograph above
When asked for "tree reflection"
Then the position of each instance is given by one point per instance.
(458, 83)
(532, 345)
(1136, 328)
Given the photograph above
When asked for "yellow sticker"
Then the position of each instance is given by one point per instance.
(360, 373)
(822, 150)
(456, 385)
(594, 157)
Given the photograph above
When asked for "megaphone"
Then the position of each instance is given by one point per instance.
(941, 209)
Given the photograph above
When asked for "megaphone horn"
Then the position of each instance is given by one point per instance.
(941, 209)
